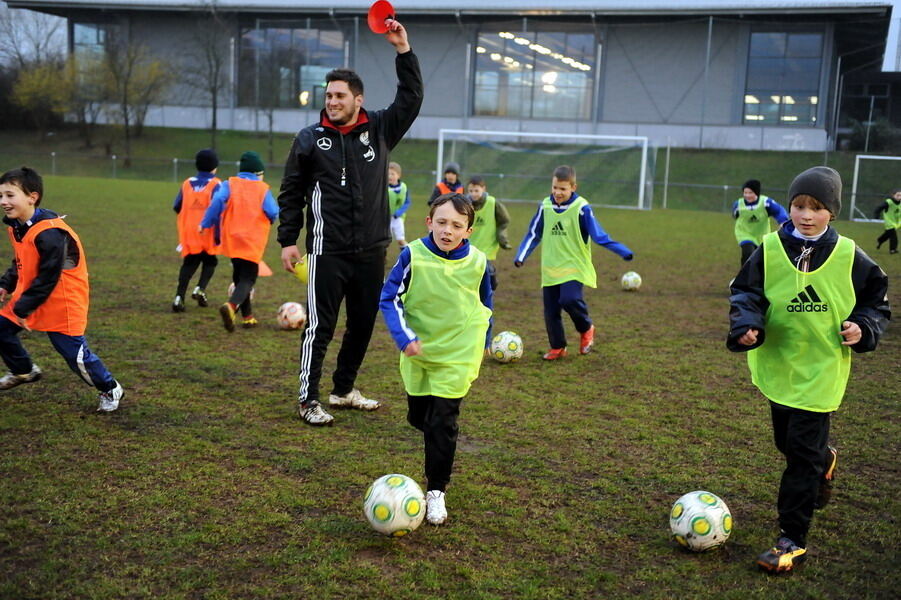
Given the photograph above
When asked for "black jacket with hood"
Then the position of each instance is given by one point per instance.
(338, 183)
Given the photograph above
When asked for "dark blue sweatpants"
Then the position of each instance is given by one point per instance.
(565, 296)
(73, 348)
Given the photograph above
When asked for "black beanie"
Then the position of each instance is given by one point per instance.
(823, 183)
(452, 167)
(753, 185)
(251, 163)
(206, 160)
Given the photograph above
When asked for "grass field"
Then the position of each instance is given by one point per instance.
(206, 485)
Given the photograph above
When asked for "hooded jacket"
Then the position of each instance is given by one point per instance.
(338, 183)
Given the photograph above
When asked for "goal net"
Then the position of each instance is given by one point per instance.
(517, 166)
(874, 179)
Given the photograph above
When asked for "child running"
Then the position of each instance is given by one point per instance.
(891, 218)
(800, 304)
(398, 203)
(489, 232)
(566, 259)
(752, 214)
(437, 303)
(46, 289)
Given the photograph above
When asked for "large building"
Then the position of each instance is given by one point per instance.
(756, 74)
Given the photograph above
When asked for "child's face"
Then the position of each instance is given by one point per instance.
(450, 177)
(475, 191)
(393, 177)
(808, 220)
(448, 227)
(749, 195)
(897, 195)
(16, 204)
(562, 190)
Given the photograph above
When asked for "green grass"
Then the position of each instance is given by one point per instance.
(206, 485)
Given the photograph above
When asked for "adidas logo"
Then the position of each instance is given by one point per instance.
(753, 219)
(557, 229)
(807, 301)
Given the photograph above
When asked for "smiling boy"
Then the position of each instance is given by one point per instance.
(437, 303)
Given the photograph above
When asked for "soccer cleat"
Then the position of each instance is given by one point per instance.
(227, 312)
(178, 305)
(587, 341)
(435, 510)
(199, 295)
(353, 399)
(825, 492)
(782, 557)
(10, 380)
(314, 414)
(249, 322)
(554, 354)
(109, 401)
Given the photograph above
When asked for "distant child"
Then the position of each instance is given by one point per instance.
(242, 210)
(450, 184)
(196, 247)
(800, 304)
(398, 203)
(566, 259)
(437, 304)
(47, 290)
(752, 214)
(489, 232)
(891, 215)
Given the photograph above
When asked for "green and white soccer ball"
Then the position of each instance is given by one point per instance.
(700, 521)
(394, 505)
(630, 281)
(506, 347)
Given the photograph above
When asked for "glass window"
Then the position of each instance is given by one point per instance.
(90, 40)
(283, 66)
(546, 75)
(783, 79)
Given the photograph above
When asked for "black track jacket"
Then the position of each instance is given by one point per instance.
(342, 180)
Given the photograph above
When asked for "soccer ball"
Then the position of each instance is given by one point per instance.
(506, 347)
(700, 521)
(231, 290)
(394, 505)
(630, 281)
(291, 315)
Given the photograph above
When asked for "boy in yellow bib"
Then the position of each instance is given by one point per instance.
(890, 210)
(437, 304)
(566, 224)
(803, 300)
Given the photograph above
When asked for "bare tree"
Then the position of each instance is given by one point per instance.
(30, 37)
(208, 67)
(87, 83)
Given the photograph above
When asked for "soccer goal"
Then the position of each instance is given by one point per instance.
(517, 166)
(874, 179)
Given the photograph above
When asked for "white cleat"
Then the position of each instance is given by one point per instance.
(10, 380)
(109, 401)
(354, 399)
(435, 510)
(314, 414)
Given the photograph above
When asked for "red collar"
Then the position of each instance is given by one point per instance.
(345, 129)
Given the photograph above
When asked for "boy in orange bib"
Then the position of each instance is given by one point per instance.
(242, 211)
(45, 289)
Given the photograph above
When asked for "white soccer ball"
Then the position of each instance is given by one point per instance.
(291, 315)
(630, 281)
(506, 347)
(231, 290)
(394, 505)
(700, 521)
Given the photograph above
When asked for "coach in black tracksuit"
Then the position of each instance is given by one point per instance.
(336, 177)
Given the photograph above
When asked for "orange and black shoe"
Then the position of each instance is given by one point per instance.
(554, 353)
(825, 492)
(782, 557)
(586, 343)
(227, 312)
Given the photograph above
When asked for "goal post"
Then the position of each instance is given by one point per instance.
(874, 178)
(611, 170)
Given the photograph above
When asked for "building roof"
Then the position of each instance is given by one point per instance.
(518, 7)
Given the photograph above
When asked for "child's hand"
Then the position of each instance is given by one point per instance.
(21, 323)
(517, 263)
(4, 296)
(851, 332)
(749, 338)
(413, 348)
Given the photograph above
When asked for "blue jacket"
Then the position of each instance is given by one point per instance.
(588, 225)
(392, 305)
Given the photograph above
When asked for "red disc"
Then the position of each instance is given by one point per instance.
(378, 12)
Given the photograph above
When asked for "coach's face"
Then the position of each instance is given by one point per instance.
(341, 106)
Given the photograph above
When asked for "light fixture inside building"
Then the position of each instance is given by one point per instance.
(788, 99)
(549, 78)
(480, 50)
(775, 99)
(495, 56)
(304, 98)
(521, 41)
(750, 99)
(506, 35)
(550, 89)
